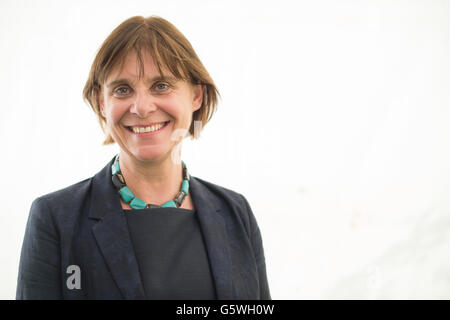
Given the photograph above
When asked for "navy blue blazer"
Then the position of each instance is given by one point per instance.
(84, 226)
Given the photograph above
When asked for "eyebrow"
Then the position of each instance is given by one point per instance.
(148, 80)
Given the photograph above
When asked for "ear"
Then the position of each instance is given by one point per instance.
(101, 102)
(198, 96)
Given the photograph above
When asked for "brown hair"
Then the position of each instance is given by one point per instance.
(169, 49)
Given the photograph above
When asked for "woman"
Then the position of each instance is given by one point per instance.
(142, 227)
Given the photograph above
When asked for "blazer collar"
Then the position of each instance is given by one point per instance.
(114, 241)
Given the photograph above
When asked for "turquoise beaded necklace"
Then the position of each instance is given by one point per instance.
(136, 203)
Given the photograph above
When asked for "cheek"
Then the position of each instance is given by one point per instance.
(178, 108)
(116, 110)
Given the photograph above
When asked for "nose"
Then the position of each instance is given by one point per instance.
(143, 104)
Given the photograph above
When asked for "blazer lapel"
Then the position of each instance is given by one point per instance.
(112, 235)
(215, 234)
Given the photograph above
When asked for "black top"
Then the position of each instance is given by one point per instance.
(171, 254)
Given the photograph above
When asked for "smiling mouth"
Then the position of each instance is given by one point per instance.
(152, 128)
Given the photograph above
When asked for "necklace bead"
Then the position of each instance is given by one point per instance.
(136, 203)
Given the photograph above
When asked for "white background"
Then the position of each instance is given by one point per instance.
(334, 124)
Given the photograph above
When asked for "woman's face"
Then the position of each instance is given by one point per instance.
(131, 105)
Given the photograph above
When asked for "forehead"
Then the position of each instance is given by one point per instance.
(135, 67)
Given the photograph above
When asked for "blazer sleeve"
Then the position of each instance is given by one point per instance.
(39, 268)
(258, 249)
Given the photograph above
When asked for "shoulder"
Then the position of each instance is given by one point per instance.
(236, 202)
(220, 190)
(230, 196)
(68, 194)
(65, 201)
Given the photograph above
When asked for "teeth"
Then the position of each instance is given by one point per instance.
(147, 129)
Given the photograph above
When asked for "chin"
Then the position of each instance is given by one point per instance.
(151, 153)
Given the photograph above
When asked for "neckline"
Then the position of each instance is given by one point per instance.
(156, 210)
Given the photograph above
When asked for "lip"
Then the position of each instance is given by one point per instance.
(147, 124)
(148, 134)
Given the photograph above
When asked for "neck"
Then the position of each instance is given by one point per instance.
(154, 182)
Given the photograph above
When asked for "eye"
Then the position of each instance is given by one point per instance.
(161, 86)
(121, 91)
